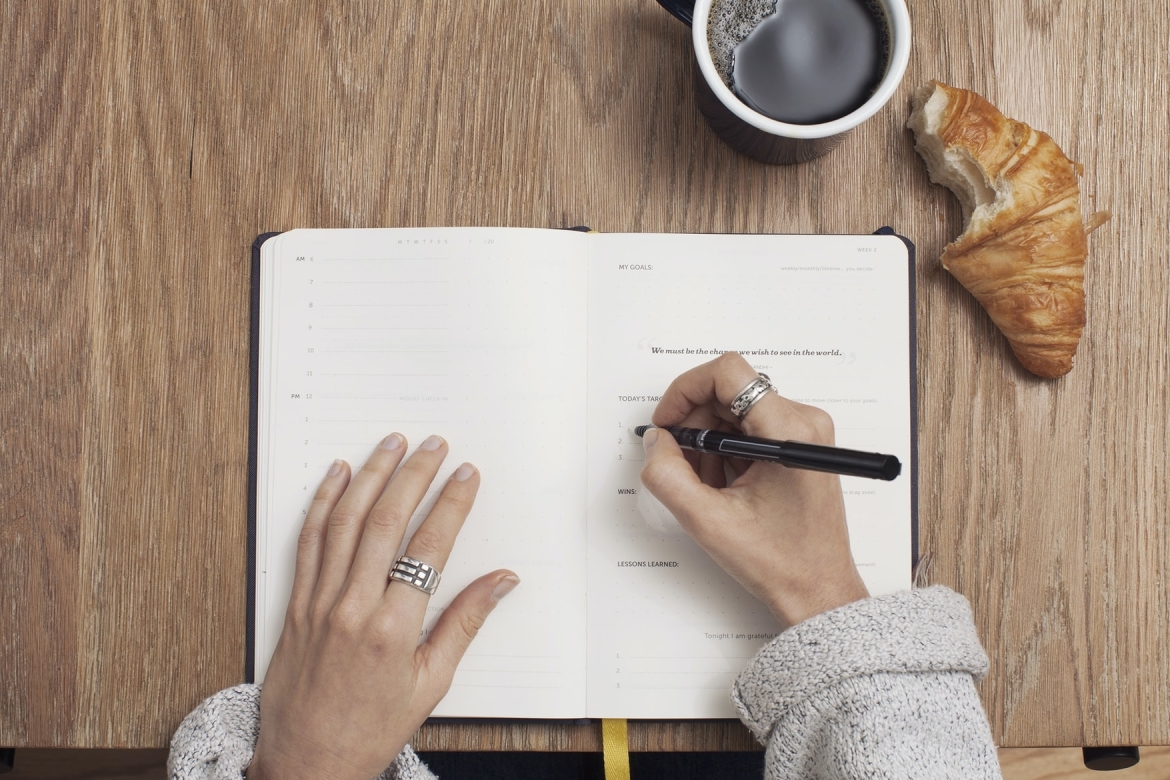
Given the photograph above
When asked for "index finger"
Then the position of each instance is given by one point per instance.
(715, 384)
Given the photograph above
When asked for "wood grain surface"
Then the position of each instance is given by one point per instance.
(144, 146)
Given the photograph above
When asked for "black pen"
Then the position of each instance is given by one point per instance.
(794, 454)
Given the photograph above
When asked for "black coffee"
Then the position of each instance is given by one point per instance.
(812, 61)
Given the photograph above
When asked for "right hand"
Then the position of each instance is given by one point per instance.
(780, 532)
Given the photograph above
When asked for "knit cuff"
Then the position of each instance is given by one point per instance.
(910, 632)
(217, 739)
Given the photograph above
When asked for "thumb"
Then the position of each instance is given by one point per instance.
(669, 478)
(459, 624)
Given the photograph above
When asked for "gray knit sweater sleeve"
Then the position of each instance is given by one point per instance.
(881, 688)
(216, 740)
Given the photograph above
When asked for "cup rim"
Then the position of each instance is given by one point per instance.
(899, 19)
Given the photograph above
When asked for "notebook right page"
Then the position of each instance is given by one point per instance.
(828, 318)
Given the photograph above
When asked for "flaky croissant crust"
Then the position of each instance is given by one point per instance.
(1022, 255)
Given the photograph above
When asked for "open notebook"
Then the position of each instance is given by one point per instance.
(535, 353)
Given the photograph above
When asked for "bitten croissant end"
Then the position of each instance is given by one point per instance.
(1022, 253)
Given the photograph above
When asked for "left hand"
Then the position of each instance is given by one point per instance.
(349, 683)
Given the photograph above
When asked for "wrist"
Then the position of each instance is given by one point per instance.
(793, 608)
(264, 769)
(255, 771)
(306, 765)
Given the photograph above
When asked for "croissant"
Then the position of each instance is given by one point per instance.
(1022, 252)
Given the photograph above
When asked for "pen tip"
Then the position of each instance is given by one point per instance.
(641, 429)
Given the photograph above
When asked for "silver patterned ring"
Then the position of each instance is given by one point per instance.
(416, 574)
(750, 395)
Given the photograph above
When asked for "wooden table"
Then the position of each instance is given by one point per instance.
(145, 147)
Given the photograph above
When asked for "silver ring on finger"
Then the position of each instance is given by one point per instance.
(750, 395)
(417, 574)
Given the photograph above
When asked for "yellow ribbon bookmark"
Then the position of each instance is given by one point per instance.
(615, 748)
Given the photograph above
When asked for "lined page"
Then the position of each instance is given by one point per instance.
(473, 334)
(827, 317)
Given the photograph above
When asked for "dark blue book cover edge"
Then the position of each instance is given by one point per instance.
(253, 436)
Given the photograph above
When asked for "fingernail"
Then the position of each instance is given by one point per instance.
(391, 442)
(432, 443)
(504, 587)
(649, 438)
(335, 469)
(463, 473)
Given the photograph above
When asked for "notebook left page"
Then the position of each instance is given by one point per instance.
(477, 335)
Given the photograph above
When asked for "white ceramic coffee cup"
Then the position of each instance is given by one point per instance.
(767, 139)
